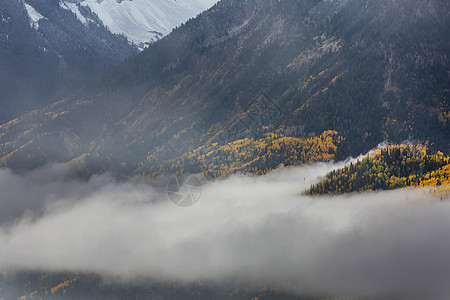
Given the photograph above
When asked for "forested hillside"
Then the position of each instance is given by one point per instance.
(47, 54)
(247, 87)
(389, 168)
(370, 70)
(249, 156)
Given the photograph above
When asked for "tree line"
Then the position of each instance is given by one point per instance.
(389, 168)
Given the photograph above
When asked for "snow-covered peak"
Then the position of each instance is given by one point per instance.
(141, 21)
(34, 16)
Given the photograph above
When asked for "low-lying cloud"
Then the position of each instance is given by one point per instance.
(246, 229)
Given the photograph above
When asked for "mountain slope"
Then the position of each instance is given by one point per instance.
(390, 168)
(141, 21)
(371, 70)
(249, 156)
(46, 54)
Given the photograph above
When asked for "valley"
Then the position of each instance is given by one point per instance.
(317, 132)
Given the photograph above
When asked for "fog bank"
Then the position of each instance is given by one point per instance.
(245, 229)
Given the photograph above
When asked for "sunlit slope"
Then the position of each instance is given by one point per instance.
(390, 168)
(249, 156)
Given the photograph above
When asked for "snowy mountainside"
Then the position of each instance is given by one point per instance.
(46, 54)
(141, 21)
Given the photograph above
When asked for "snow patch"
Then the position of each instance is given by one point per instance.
(73, 7)
(34, 15)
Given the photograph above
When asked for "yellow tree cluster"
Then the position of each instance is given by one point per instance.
(250, 156)
(389, 168)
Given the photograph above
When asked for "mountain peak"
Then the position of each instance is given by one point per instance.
(141, 21)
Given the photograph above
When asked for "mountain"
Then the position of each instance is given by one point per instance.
(370, 70)
(46, 53)
(49, 49)
(141, 21)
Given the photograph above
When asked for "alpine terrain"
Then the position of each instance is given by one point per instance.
(47, 54)
(239, 149)
(49, 49)
(369, 70)
(141, 21)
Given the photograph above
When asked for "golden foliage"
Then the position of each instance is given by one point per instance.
(389, 168)
(250, 156)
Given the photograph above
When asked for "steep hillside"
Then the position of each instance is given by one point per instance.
(371, 70)
(46, 53)
(387, 169)
(248, 156)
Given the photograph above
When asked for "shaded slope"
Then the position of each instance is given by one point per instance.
(46, 53)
